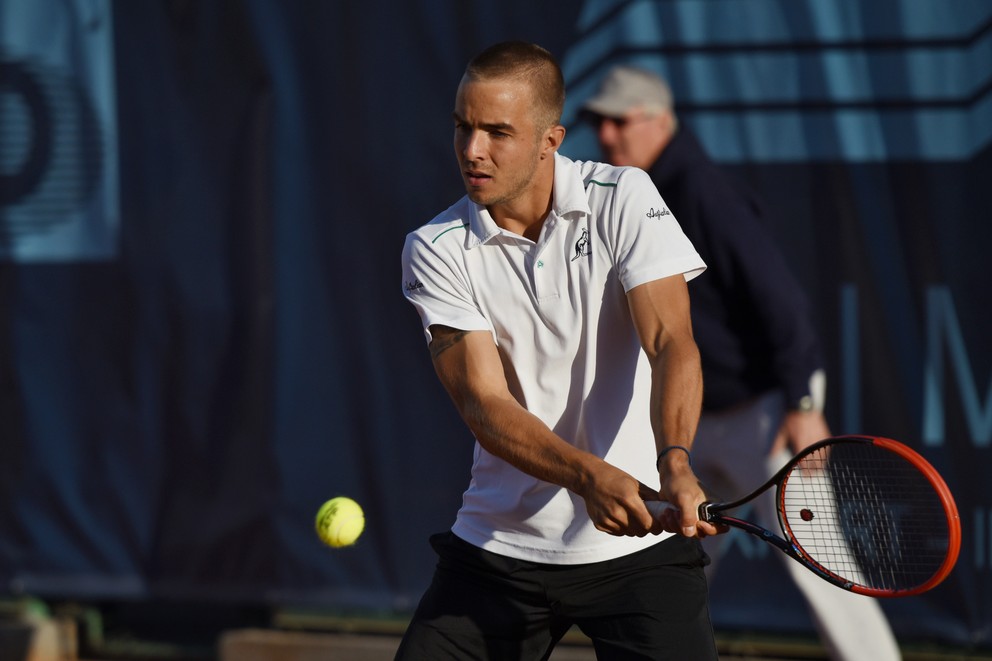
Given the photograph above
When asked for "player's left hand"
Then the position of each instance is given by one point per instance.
(684, 493)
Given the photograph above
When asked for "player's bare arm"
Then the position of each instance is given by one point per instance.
(469, 366)
(660, 310)
(443, 339)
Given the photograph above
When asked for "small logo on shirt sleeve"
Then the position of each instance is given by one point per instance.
(658, 213)
(412, 286)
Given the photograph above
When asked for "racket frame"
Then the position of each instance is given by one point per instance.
(712, 512)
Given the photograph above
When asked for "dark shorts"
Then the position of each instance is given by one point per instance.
(648, 605)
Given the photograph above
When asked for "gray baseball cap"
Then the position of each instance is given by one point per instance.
(625, 88)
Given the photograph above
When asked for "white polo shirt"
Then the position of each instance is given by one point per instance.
(557, 310)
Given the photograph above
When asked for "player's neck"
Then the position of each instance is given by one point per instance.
(527, 225)
(525, 214)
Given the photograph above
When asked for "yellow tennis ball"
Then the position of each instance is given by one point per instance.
(340, 521)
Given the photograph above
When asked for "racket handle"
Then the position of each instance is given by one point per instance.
(656, 507)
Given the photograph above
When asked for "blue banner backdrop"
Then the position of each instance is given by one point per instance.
(202, 336)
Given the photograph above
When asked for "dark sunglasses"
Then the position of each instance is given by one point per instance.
(596, 120)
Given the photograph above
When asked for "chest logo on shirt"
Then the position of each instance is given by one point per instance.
(582, 246)
(658, 213)
(413, 286)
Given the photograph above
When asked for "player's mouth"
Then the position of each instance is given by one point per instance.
(476, 178)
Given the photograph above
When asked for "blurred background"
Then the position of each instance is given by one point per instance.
(202, 331)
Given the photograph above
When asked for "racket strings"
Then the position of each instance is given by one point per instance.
(864, 514)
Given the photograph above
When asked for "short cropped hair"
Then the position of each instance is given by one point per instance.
(519, 59)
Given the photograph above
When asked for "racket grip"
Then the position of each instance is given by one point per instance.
(656, 507)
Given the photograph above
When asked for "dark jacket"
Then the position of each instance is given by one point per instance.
(751, 319)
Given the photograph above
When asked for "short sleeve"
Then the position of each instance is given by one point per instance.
(438, 289)
(649, 242)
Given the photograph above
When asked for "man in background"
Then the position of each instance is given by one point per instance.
(760, 354)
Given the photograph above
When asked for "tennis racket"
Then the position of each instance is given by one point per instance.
(868, 514)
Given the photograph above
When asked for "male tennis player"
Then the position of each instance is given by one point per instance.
(553, 297)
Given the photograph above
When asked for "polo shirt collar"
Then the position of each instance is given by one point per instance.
(569, 202)
(570, 199)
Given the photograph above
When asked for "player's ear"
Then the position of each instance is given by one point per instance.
(553, 138)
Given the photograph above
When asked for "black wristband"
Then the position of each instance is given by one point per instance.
(661, 455)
